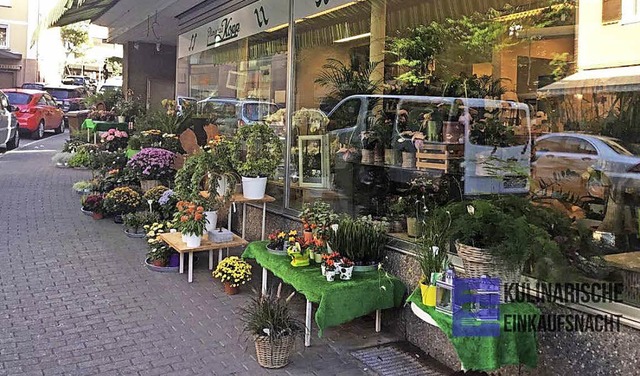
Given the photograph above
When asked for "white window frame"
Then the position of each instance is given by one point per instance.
(5, 3)
(6, 45)
(630, 11)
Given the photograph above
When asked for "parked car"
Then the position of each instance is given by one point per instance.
(33, 85)
(573, 154)
(111, 84)
(9, 129)
(231, 113)
(185, 101)
(70, 97)
(37, 111)
(85, 81)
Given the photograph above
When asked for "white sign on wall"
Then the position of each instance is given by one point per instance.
(252, 19)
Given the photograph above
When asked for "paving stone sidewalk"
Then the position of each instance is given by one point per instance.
(76, 299)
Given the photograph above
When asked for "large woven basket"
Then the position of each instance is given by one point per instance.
(479, 262)
(274, 353)
(146, 185)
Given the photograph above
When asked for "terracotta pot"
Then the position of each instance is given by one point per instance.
(97, 216)
(160, 263)
(230, 290)
(308, 236)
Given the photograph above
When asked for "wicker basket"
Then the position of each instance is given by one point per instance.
(478, 262)
(274, 353)
(148, 184)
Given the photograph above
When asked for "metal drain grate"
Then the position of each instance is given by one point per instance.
(396, 360)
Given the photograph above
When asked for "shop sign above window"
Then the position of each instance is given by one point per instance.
(264, 15)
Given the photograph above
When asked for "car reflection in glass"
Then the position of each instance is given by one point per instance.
(585, 164)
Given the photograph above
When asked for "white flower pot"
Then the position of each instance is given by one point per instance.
(253, 188)
(122, 119)
(331, 275)
(212, 218)
(184, 238)
(323, 268)
(193, 241)
(345, 273)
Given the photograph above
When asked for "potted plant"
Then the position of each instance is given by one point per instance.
(318, 247)
(114, 139)
(233, 272)
(83, 187)
(159, 252)
(346, 268)
(122, 200)
(134, 222)
(432, 253)
(362, 240)
(92, 205)
(152, 166)
(494, 242)
(370, 142)
(192, 222)
(61, 159)
(262, 150)
(153, 195)
(317, 218)
(276, 242)
(330, 270)
(273, 327)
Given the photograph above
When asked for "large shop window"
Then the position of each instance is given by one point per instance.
(391, 98)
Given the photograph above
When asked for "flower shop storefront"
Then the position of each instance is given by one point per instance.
(442, 121)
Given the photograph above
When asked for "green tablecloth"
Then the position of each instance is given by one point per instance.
(339, 301)
(489, 353)
(103, 126)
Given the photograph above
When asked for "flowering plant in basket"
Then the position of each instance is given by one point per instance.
(234, 271)
(114, 139)
(192, 220)
(122, 200)
(153, 164)
(276, 240)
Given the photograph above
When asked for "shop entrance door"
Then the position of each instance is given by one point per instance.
(157, 90)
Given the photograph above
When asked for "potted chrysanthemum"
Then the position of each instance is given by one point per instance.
(153, 166)
(233, 272)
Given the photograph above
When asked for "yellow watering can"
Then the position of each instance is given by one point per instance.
(298, 257)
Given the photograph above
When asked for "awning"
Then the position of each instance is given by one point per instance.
(601, 80)
(7, 54)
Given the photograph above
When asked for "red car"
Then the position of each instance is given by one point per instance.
(37, 111)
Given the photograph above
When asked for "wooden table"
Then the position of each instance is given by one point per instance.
(174, 240)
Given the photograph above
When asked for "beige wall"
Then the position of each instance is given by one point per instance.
(601, 46)
(545, 49)
(17, 17)
(308, 67)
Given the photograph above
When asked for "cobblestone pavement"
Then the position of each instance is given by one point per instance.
(75, 298)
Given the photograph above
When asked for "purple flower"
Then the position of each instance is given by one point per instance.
(166, 196)
(152, 163)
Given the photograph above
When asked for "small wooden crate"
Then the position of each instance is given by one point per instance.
(443, 157)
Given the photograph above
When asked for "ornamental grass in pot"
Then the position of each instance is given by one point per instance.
(432, 252)
(362, 240)
(273, 327)
(258, 155)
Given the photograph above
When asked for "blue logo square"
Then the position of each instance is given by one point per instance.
(476, 307)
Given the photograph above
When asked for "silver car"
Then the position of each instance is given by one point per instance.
(586, 157)
(9, 134)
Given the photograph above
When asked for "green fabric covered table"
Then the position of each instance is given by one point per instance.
(489, 353)
(339, 301)
(103, 126)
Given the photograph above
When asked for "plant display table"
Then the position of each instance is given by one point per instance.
(174, 240)
(339, 301)
(238, 198)
(101, 126)
(485, 353)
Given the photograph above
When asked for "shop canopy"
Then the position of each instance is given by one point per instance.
(595, 80)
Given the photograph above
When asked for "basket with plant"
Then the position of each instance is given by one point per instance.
(233, 272)
(122, 200)
(494, 242)
(273, 327)
(276, 242)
